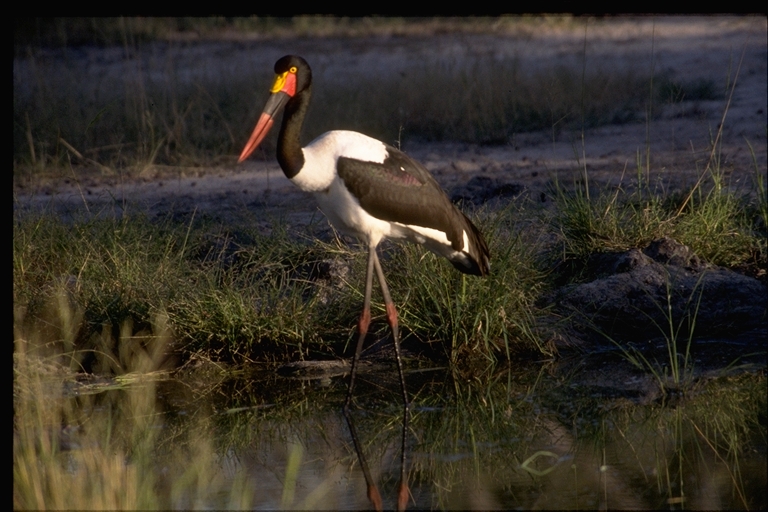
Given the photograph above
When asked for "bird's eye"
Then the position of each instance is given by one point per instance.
(293, 69)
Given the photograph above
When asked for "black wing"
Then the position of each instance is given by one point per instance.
(402, 190)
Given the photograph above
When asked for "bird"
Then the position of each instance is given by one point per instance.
(367, 189)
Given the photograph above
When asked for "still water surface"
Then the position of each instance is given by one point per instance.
(566, 435)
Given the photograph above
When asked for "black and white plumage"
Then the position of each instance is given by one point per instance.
(367, 189)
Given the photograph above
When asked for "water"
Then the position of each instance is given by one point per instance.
(549, 435)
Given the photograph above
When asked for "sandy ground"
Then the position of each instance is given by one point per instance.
(687, 48)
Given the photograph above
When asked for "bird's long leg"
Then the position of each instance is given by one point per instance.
(363, 323)
(392, 320)
(403, 492)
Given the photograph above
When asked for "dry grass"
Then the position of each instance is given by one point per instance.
(143, 110)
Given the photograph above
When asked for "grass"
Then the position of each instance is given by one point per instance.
(67, 32)
(720, 224)
(113, 293)
(488, 318)
(156, 113)
(97, 447)
(235, 294)
(479, 101)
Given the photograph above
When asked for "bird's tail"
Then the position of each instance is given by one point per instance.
(478, 261)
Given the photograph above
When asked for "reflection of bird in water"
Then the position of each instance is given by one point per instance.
(403, 492)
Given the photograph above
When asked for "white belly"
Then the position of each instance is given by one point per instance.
(346, 215)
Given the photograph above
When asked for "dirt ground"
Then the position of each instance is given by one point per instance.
(687, 48)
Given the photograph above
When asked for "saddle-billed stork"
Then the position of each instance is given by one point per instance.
(367, 189)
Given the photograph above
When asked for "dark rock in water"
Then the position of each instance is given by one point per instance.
(664, 290)
(482, 189)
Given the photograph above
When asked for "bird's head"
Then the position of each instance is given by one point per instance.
(293, 76)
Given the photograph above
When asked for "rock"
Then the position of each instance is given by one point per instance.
(669, 251)
(635, 293)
